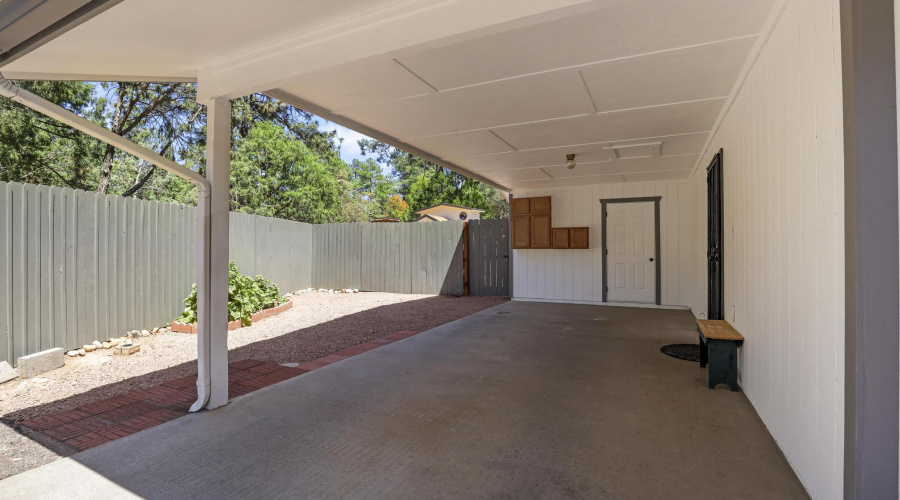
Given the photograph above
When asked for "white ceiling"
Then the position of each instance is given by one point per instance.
(631, 87)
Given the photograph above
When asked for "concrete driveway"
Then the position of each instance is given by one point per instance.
(524, 400)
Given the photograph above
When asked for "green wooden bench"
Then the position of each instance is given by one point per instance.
(719, 343)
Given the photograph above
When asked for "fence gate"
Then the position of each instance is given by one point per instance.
(489, 257)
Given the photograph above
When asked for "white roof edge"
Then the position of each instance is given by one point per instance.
(393, 141)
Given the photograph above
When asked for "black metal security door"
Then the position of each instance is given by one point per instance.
(714, 232)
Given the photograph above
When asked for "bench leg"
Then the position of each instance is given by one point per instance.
(722, 363)
(704, 353)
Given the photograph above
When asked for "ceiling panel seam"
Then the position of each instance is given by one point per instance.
(504, 142)
(598, 143)
(413, 73)
(586, 89)
(583, 66)
(494, 128)
(618, 161)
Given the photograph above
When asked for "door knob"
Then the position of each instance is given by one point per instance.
(651, 259)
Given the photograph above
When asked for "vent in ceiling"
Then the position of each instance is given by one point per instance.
(625, 151)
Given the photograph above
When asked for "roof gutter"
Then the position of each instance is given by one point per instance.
(12, 91)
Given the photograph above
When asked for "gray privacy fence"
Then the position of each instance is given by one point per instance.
(400, 258)
(280, 250)
(80, 266)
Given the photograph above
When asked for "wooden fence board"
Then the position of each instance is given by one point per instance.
(489, 257)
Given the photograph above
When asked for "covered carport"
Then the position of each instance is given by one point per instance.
(518, 401)
(643, 94)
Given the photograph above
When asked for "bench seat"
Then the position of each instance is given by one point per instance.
(719, 342)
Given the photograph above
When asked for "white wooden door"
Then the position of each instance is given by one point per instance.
(631, 252)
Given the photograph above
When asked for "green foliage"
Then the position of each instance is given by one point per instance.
(40, 150)
(372, 188)
(275, 175)
(283, 164)
(246, 296)
(423, 184)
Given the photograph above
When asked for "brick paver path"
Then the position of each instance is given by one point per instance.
(110, 419)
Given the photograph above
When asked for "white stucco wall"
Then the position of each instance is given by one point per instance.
(576, 275)
(784, 240)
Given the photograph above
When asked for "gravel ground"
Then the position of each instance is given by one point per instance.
(318, 324)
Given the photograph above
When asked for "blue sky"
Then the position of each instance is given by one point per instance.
(349, 147)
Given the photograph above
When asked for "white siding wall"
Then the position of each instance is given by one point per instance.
(576, 275)
(783, 249)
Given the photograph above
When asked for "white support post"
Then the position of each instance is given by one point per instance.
(218, 173)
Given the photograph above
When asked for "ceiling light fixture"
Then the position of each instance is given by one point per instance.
(570, 161)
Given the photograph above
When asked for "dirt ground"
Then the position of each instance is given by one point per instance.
(318, 324)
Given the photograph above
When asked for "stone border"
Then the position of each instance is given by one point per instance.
(234, 325)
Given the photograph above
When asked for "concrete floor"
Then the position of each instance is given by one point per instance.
(525, 400)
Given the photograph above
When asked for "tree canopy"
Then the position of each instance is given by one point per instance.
(283, 163)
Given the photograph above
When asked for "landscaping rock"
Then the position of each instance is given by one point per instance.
(89, 347)
(106, 345)
(7, 372)
(97, 344)
(40, 362)
(73, 353)
(81, 352)
(155, 330)
(126, 350)
(114, 342)
(145, 333)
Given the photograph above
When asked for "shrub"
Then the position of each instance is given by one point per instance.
(246, 296)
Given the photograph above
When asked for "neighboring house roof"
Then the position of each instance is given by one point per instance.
(436, 218)
(384, 219)
(449, 205)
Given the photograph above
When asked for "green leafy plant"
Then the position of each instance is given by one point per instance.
(246, 296)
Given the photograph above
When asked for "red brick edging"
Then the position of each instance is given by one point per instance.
(99, 422)
(234, 325)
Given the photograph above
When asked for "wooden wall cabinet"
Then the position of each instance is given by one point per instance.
(579, 237)
(541, 227)
(540, 205)
(521, 231)
(560, 237)
(531, 224)
(520, 206)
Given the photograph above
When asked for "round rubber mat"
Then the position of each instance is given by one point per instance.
(687, 352)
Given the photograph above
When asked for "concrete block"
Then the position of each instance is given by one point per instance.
(126, 350)
(40, 362)
(7, 372)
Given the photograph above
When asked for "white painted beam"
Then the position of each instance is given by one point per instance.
(375, 134)
(400, 25)
(218, 172)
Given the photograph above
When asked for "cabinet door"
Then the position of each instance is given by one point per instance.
(560, 237)
(540, 205)
(579, 237)
(520, 206)
(521, 231)
(540, 231)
